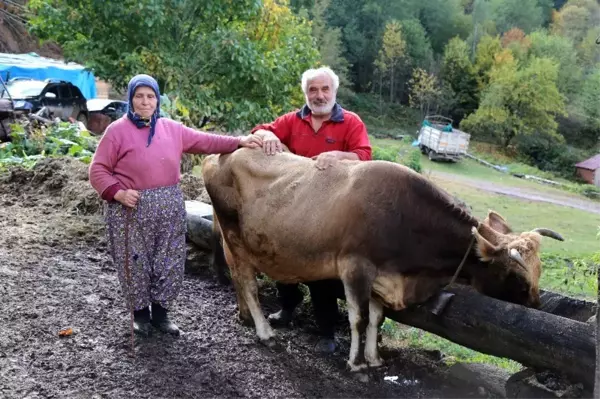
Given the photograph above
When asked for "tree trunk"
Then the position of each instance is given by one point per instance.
(531, 337)
(392, 83)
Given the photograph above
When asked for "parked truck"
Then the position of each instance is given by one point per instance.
(439, 140)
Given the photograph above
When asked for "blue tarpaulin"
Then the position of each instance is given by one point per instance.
(33, 66)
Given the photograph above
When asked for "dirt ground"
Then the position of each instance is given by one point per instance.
(55, 274)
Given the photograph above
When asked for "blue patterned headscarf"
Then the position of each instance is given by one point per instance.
(134, 83)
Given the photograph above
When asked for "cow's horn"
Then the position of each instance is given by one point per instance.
(516, 256)
(549, 233)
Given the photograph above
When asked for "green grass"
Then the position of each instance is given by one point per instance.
(576, 226)
(415, 338)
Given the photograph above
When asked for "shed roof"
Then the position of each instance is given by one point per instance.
(592, 163)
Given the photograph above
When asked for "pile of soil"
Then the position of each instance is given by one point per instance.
(56, 274)
(60, 183)
(193, 188)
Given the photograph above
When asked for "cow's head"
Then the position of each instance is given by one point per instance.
(513, 267)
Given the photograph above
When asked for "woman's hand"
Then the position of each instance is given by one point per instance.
(251, 141)
(128, 198)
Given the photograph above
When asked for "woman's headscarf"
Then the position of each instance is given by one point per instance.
(134, 83)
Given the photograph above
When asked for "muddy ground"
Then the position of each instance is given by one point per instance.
(55, 274)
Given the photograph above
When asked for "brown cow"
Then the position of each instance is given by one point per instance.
(390, 235)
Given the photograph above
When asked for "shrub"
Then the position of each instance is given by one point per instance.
(549, 155)
(384, 154)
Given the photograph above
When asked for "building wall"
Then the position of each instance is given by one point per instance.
(586, 174)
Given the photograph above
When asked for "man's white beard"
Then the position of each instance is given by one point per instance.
(321, 109)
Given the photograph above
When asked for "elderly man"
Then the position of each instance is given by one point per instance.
(327, 133)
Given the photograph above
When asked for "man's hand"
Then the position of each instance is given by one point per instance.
(251, 141)
(128, 198)
(330, 158)
(271, 143)
(326, 159)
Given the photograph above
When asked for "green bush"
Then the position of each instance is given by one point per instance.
(549, 155)
(384, 154)
(411, 157)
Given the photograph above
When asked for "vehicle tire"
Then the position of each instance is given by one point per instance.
(423, 149)
(83, 119)
(431, 155)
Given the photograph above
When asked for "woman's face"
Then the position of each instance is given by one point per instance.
(144, 101)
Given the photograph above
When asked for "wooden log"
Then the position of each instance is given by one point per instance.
(199, 224)
(531, 337)
(572, 308)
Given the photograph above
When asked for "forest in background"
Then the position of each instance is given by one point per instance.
(522, 74)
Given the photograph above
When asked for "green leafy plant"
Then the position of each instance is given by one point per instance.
(63, 139)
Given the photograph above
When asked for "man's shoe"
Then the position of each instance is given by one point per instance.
(281, 318)
(141, 322)
(161, 321)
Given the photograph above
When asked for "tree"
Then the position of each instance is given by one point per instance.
(561, 50)
(329, 42)
(458, 73)
(588, 50)
(518, 101)
(572, 22)
(524, 14)
(444, 19)
(485, 57)
(517, 42)
(195, 49)
(391, 53)
(424, 91)
(590, 101)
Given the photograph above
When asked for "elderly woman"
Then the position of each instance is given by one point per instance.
(136, 170)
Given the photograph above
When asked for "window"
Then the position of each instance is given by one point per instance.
(76, 92)
(64, 91)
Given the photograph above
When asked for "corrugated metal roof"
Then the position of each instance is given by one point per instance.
(592, 164)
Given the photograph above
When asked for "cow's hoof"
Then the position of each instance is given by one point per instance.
(375, 363)
(325, 346)
(355, 368)
(272, 344)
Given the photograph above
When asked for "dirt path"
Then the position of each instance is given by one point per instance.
(566, 199)
(55, 273)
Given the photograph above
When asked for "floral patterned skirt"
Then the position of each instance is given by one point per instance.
(152, 237)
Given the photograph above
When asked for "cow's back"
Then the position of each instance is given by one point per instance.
(286, 211)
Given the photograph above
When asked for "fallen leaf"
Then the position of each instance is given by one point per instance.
(65, 333)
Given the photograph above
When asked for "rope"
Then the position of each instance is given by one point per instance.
(461, 263)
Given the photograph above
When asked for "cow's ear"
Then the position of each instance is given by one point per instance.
(497, 222)
(486, 250)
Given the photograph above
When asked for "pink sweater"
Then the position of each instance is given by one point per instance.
(122, 160)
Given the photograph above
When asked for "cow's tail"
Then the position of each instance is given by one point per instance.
(218, 261)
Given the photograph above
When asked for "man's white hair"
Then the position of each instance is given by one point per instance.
(310, 74)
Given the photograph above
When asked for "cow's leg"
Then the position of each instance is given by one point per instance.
(244, 312)
(375, 321)
(249, 289)
(218, 260)
(357, 277)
